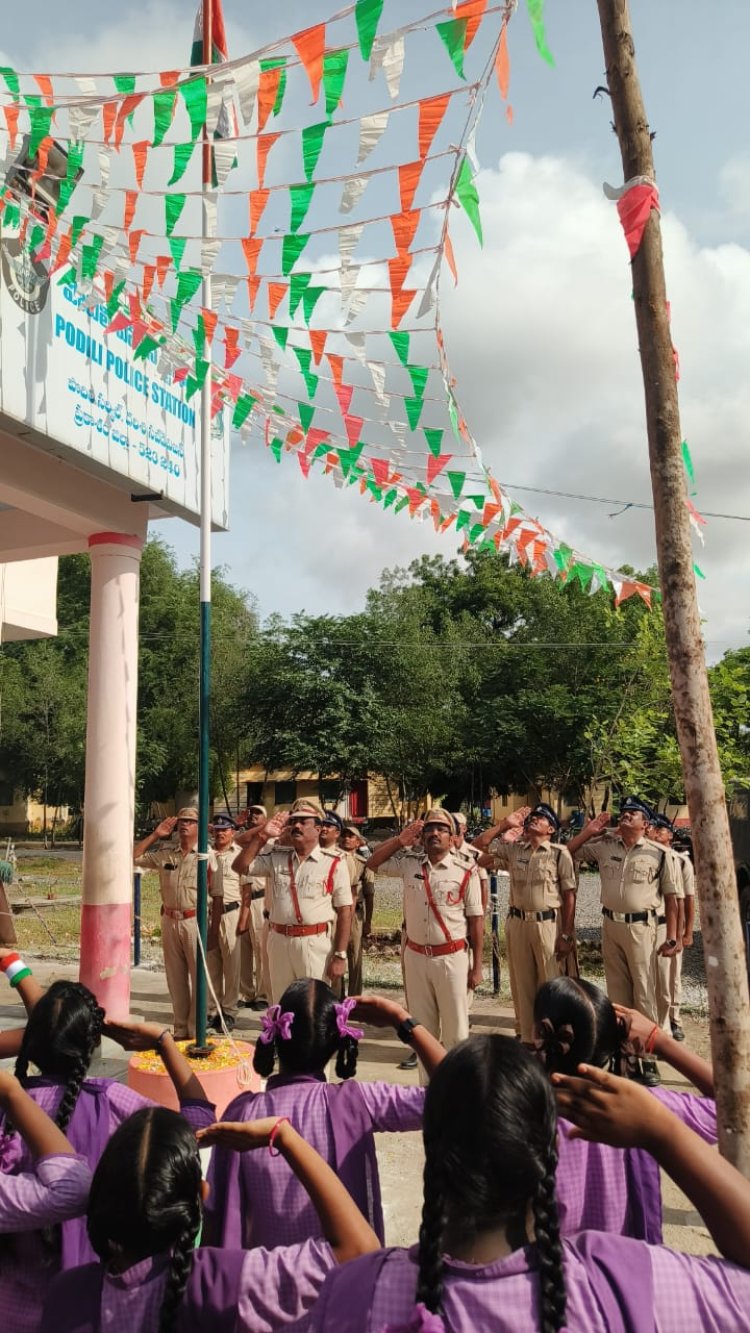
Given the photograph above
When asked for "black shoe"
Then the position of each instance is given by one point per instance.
(214, 1024)
(677, 1032)
(229, 1022)
(244, 1004)
(649, 1075)
(409, 1063)
(258, 1006)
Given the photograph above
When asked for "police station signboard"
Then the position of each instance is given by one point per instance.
(86, 398)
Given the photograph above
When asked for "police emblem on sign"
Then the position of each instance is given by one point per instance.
(27, 280)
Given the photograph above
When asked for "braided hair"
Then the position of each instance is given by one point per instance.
(63, 1031)
(489, 1136)
(313, 1035)
(575, 1023)
(145, 1200)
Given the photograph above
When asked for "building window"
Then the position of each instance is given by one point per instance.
(253, 794)
(285, 793)
(7, 794)
(330, 792)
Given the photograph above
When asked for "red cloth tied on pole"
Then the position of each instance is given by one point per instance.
(634, 209)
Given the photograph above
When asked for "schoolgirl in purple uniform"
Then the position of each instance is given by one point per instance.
(600, 1188)
(144, 1218)
(63, 1030)
(56, 1185)
(252, 1201)
(490, 1254)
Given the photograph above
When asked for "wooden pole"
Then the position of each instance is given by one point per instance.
(726, 968)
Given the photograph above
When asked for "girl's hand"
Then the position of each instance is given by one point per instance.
(8, 1084)
(239, 1137)
(639, 1028)
(607, 1109)
(135, 1036)
(378, 1011)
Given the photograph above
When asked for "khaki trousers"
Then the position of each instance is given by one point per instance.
(293, 957)
(224, 965)
(179, 942)
(530, 946)
(255, 983)
(629, 954)
(354, 954)
(675, 986)
(436, 995)
(663, 981)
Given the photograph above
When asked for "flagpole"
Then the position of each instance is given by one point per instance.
(205, 597)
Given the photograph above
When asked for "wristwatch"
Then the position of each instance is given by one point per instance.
(671, 944)
(567, 939)
(405, 1029)
(340, 954)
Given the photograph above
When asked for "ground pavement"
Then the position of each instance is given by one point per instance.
(399, 1155)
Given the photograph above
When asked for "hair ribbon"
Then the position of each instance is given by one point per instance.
(343, 1009)
(275, 1025)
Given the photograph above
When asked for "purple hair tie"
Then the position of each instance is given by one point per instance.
(343, 1010)
(422, 1321)
(275, 1024)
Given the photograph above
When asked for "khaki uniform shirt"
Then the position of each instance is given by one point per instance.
(538, 877)
(225, 882)
(466, 849)
(445, 879)
(687, 871)
(632, 881)
(311, 876)
(363, 880)
(178, 875)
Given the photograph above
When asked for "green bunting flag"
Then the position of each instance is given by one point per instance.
(90, 256)
(688, 462)
(113, 303)
(277, 447)
(434, 439)
(536, 14)
(12, 82)
(466, 193)
(195, 95)
(304, 357)
(292, 248)
(281, 334)
(76, 149)
(243, 407)
(146, 346)
(173, 206)
(124, 83)
(298, 284)
(335, 65)
(164, 105)
(310, 298)
(418, 376)
(76, 228)
(390, 497)
(41, 121)
(177, 247)
(401, 345)
(456, 480)
(413, 410)
(698, 571)
(312, 143)
(277, 62)
(367, 14)
(300, 197)
(182, 155)
(453, 35)
(306, 414)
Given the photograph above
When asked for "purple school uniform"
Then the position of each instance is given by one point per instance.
(56, 1189)
(228, 1291)
(619, 1190)
(613, 1284)
(256, 1199)
(30, 1261)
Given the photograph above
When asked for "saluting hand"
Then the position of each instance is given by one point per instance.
(411, 834)
(240, 1136)
(607, 1109)
(167, 827)
(599, 822)
(518, 817)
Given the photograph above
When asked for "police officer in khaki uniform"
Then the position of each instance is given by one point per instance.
(255, 984)
(443, 915)
(310, 896)
(178, 884)
(363, 890)
(223, 942)
(661, 830)
(540, 926)
(638, 886)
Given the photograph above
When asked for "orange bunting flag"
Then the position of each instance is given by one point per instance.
(431, 112)
(127, 107)
(305, 465)
(473, 12)
(109, 116)
(45, 84)
(12, 112)
(627, 590)
(344, 394)
(210, 320)
(450, 257)
(416, 498)
(436, 465)
(268, 88)
(149, 273)
(502, 64)
(408, 179)
(489, 512)
(258, 201)
(252, 246)
(134, 241)
(310, 46)
(253, 287)
(276, 293)
(169, 77)
(131, 200)
(336, 362)
(140, 153)
(231, 339)
(400, 304)
(163, 264)
(405, 228)
(318, 343)
(263, 147)
(353, 429)
(397, 271)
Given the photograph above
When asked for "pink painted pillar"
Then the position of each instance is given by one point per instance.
(110, 769)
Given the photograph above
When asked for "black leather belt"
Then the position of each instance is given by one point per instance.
(626, 918)
(256, 894)
(230, 907)
(549, 915)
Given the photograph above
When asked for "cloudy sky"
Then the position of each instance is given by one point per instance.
(540, 332)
